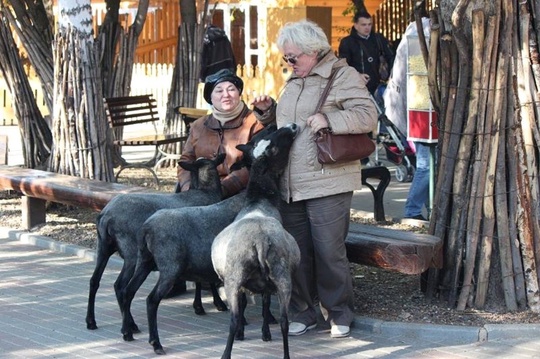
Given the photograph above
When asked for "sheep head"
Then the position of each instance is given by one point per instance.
(270, 151)
(204, 173)
(245, 161)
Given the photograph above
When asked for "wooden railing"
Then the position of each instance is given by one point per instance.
(393, 17)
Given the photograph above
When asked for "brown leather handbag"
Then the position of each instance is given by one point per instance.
(333, 148)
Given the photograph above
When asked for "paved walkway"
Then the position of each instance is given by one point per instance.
(44, 291)
(43, 298)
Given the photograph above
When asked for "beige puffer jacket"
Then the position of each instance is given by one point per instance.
(349, 108)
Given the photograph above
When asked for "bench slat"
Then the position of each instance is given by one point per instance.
(55, 187)
(395, 250)
(393, 234)
(150, 140)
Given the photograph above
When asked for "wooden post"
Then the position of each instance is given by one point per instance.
(33, 212)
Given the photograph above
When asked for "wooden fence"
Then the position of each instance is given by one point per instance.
(393, 17)
(147, 79)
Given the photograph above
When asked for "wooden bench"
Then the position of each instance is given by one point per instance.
(38, 187)
(400, 251)
(395, 250)
(133, 110)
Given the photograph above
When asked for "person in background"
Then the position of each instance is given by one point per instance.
(230, 123)
(316, 198)
(362, 50)
(395, 99)
(217, 52)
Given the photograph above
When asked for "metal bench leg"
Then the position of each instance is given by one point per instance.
(149, 169)
(166, 156)
(33, 212)
(383, 175)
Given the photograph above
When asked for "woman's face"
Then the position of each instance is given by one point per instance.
(225, 96)
(301, 63)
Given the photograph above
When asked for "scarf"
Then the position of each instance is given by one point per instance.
(224, 117)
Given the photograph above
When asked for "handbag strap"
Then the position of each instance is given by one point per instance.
(326, 90)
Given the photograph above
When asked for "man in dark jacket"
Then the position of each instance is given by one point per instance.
(363, 49)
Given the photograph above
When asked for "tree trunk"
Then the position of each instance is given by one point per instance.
(185, 81)
(79, 129)
(35, 133)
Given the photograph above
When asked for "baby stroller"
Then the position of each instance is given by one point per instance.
(397, 148)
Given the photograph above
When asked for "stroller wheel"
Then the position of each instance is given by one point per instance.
(401, 174)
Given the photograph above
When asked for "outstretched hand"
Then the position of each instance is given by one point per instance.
(262, 102)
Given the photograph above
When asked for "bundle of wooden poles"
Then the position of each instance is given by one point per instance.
(483, 80)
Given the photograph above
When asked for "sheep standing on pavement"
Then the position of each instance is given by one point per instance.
(177, 242)
(121, 219)
(255, 252)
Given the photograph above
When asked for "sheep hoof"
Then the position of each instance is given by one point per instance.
(267, 338)
(135, 328)
(158, 349)
(199, 310)
(221, 307)
(128, 337)
(91, 325)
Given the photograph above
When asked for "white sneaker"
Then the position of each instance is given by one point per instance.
(339, 331)
(296, 328)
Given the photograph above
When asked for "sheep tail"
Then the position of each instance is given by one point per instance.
(262, 255)
(102, 225)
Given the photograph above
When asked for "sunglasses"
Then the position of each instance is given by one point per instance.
(291, 59)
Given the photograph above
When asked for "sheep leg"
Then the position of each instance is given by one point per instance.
(244, 303)
(266, 335)
(197, 302)
(218, 303)
(266, 312)
(284, 322)
(236, 328)
(284, 297)
(162, 287)
(103, 256)
(144, 267)
(122, 281)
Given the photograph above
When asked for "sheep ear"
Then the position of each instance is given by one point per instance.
(237, 166)
(245, 161)
(244, 148)
(188, 166)
(219, 159)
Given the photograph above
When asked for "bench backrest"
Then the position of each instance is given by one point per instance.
(131, 110)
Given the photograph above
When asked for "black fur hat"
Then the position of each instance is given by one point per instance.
(219, 77)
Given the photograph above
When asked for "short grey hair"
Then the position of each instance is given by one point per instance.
(304, 34)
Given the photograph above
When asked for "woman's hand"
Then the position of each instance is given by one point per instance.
(317, 122)
(262, 102)
(365, 77)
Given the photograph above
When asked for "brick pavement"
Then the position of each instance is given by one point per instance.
(43, 297)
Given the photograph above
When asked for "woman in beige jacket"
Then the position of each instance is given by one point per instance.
(317, 198)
